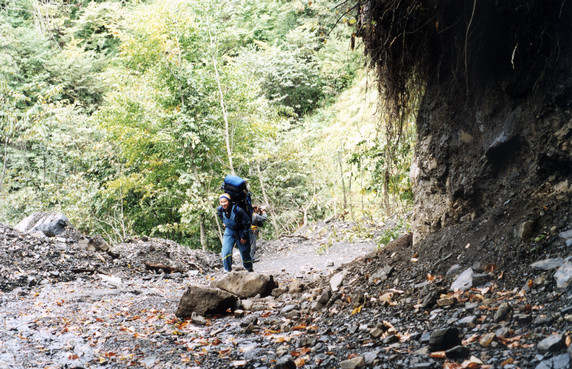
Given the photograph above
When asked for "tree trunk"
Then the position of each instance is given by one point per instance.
(222, 106)
(340, 160)
(266, 202)
(202, 232)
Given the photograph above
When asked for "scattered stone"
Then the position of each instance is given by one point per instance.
(454, 270)
(336, 280)
(444, 339)
(563, 275)
(553, 343)
(205, 301)
(566, 234)
(198, 319)
(114, 281)
(464, 281)
(325, 296)
(525, 230)
(246, 285)
(487, 339)
(458, 353)
(468, 321)
(297, 286)
(50, 224)
(548, 264)
(446, 301)
(380, 275)
(558, 362)
(356, 362)
(285, 363)
(502, 312)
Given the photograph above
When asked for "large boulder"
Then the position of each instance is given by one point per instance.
(205, 301)
(48, 224)
(246, 284)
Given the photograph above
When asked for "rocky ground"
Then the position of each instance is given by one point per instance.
(340, 303)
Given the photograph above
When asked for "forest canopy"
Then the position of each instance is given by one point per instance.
(127, 115)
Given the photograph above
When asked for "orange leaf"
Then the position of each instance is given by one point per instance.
(299, 362)
(430, 277)
(507, 361)
(305, 350)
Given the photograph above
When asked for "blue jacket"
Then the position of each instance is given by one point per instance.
(236, 220)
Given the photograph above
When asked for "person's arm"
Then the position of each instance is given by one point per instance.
(219, 212)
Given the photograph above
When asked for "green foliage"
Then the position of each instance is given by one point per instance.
(115, 112)
(394, 232)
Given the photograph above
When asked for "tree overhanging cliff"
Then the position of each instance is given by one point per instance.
(493, 161)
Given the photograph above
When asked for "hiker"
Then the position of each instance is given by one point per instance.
(237, 227)
(258, 219)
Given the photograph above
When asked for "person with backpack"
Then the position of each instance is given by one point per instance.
(236, 223)
(258, 219)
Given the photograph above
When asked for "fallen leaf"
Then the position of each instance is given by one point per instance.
(491, 268)
(357, 310)
(510, 360)
(438, 355)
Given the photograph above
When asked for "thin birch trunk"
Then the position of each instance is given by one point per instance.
(342, 178)
(222, 106)
(266, 202)
(4, 164)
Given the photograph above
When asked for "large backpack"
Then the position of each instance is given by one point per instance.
(237, 188)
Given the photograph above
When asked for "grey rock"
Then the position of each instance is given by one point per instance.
(479, 266)
(336, 280)
(558, 362)
(288, 308)
(458, 352)
(380, 275)
(547, 264)
(454, 270)
(444, 339)
(480, 279)
(246, 285)
(468, 321)
(502, 312)
(369, 357)
(198, 319)
(563, 275)
(566, 234)
(553, 343)
(285, 363)
(464, 281)
(525, 229)
(356, 362)
(114, 281)
(296, 287)
(523, 318)
(503, 332)
(543, 320)
(50, 224)
(205, 301)
(325, 296)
